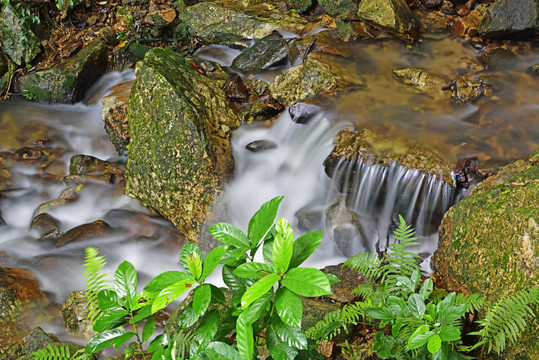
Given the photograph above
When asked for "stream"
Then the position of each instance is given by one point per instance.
(500, 128)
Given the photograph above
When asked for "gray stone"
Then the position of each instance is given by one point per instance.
(269, 51)
(510, 19)
(16, 38)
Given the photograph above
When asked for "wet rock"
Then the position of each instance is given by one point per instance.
(534, 69)
(84, 168)
(422, 81)
(38, 339)
(235, 89)
(499, 59)
(18, 40)
(47, 226)
(269, 51)
(27, 153)
(467, 174)
(431, 3)
(489, 242)
(256, 88)
(142, 226)
(344, 227)
(75, 313)
(309, 218)
(83, 232)
(341, 7)
(467, 25)
(374, 148)
(510, 19)
(342, 291)
(315, 76)
(110, 36)
(391, 15)
(299, 49)
(464, 90)
(300, 6)
(447, 7)
(114, 115)
(178, 167)
(302, 112)
(68, 81)
(265, 108)
(260, 145)
(67, 196)
(214, 23)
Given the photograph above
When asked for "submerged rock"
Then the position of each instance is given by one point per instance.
(489, 243)
(344, 228)
(391, 15)
(180, 124)
(421, 80)
(302, 112)
(510, 19)
(465, 90)
(269, 51)
(69, 81)
(83, 232)
(47, 226)
(17, 39)
(260, 145)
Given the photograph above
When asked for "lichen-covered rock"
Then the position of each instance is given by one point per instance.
(220, 23)
(69, 81)
(372, 147)
(421, 80)
(338, 7)
(511, 18)
(86, 168)
(179, 153)
(391, 15)
(16, 38)
(464, 90)
(269, 51)
(489, 242)
(317, 75)
(75, 313)
(114, 114)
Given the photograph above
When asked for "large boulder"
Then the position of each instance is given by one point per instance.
(180, 123)
(393, 16)
(69, 81)
(16, 38)
(489, 242)
(510, 18)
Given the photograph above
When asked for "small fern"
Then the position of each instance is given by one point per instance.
(95, 282)
(507, 319)
(473, 302)
(367, 265)
(338, 320)
(181, 343)
(60, 352)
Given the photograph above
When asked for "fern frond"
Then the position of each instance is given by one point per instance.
(507, 319)
(52, 353)
(367, 265)
(95, 282)
(399, 261)
(181, 342)
(338, 320)
(364, 291)
(473, 302)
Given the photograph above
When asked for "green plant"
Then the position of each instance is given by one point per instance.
(265, 301)
(28, 95)
(95, 281)
(60, 352)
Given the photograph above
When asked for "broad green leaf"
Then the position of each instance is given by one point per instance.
(415, 277)
(194, 261)
(107, 338)
(426, 288)
(231, 235)
(188, 317)
(254, 270)
(283, 246)
(307, 282)
(164, 280)
(416, 305)
(148, 329)
(110, 303)
(160, 354)
(290, 335)
(204, 333)
(125, 282)
(160, 340)
(267, 251)
(231, 280)
(262, 220)
(171, 293)
(258, 289)
(234, 257)
(107, 322)
(258, 308)
(217, 350)
(332, 279)
(398, 306)
(449, 333)
(217, 295)
(201, 298)
(142, 314)
(304, 247)
(244, 338)
(418, 341)
(380, 313)
(277, 349)
(212, 260)
(434, 343)
(188, 249)
(289, 307)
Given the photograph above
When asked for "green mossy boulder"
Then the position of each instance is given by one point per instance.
(16, 38)
(69, 81)
(391, 15)
(489, 242)
(179, 153)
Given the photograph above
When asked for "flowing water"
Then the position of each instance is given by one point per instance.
(502, 127)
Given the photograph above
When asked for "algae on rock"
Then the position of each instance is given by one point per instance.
(180, 123)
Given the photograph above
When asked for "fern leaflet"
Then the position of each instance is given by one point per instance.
(367, 265)
(338, 320)
(473, 302)
(95, 282)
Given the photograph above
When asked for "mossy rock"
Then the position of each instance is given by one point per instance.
(67, 82)
(179, 154)
(393, 16)
(16, 38)
(489, 242)
(338, 7)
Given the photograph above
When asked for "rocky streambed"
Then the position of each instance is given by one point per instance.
(355, 111)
